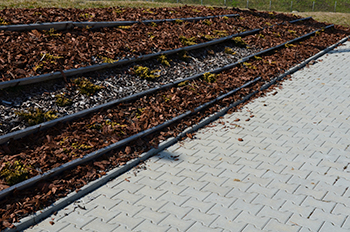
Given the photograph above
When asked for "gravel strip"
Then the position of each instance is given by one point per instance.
(117, 83)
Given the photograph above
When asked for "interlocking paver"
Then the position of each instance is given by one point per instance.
(289, 174)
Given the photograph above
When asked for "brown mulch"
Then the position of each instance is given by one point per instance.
(58, 145)
(24, 52)
(41, 15)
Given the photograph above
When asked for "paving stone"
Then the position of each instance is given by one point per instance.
(100, 226)
(229, 224)
(153, 216)
(197, 227)
(149, 226)
(180, 224)
(274, 225)
(178, 211)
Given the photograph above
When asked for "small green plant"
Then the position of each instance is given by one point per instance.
(37, 67)
(62, 101)
(36, 116)
(268, 24)
(288, 45)
(124, 27)
(167, 98)
(269, 62)
(3, 22)
(239, 42)
(118, 11)
(106, 59)
(220, 33)
(249, 65)
(81, 146)
(148, 11)
(49, 56)
(210, 52)
(86, 87)
(188, 41)
(207, 22)
(257, 58)
(183, 56)
(150, 35)
(271, 15)
(52, 33)
(276, 34)
(210, 8)
(86, 15)
(15, 172)
(153, 24)
(163, 60)
(292, 32)
(209, 77)
(195, 10)
(209, 37)
(184, 83)
(145, 73)
(178, 21)
(225, 18)
(229, 50)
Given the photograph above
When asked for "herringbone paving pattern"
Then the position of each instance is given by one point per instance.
(290, 172)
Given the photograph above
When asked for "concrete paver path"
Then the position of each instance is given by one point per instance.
(290, 173)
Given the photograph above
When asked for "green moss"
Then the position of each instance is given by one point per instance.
(163, 60)
(268, 24)
(209, 77)
(225, 18)
(3, 22)
(288, 45)
(62, 101)
(86, 87)
(229, 50)
(153, 24)
(145, 73)
(124, 27)
(239, 42)
(118, 11)
(249, 65)
(210, 52)
(49, 56)
(184, 83)
(207, 22)
(34, 117)
(187, 41)
(195, 10)
(210, 8)
(178, 21)
(257, 58)
(183, 56)
(15, 172)
(106, 59)
(167, 98)
(81, 146)
(86, 15)
(220, 33)
(209, 37)
(148, 11)
(276, 34)
(52, 33)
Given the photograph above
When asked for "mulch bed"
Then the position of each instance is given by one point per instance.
(11, 16)
(32, 53)
(60, 144)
